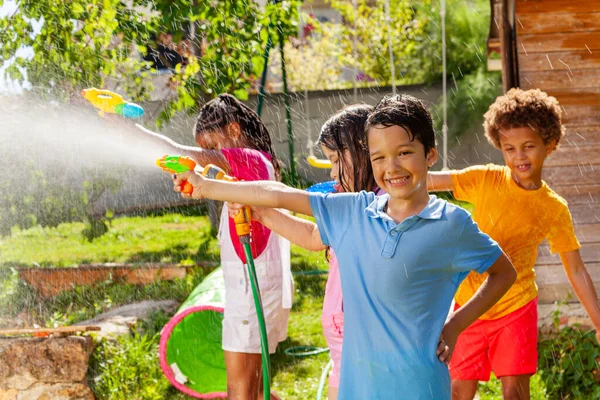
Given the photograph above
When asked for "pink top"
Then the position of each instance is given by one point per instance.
(249, 165)
(333, 302)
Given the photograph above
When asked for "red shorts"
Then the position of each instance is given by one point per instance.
(507, 346)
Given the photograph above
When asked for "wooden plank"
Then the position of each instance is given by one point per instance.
(577, 41)
(583, 199)
(576, 96)
(555, 79)
(551, 293)
(585, 214)
(577, 175)
(43, 332)
(560, 61)
(569, 155)
(578, 191)
(588, 233)
(552, 274)
(581, 115)
(540, 23)
(581, 136)
(553, 284)
(556, 6)
(590, 252)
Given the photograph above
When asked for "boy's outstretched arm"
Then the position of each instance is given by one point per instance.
(439, 181)
(258, 193)
(299, 231)
(502, 275)
(583, 285)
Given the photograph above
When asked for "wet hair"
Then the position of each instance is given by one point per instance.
(346, 131)
(225, 109)
(407, 112)
(524, 108)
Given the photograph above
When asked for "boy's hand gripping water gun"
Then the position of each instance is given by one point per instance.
(109, 102)
(179, 164)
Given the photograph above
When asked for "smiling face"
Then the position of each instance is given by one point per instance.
(524, 153)
(399, 162)
(342, 169)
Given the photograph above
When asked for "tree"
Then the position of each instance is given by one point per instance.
(312, 64)
(80, 43)
(231, 36)
(83, 42)
(371, 28)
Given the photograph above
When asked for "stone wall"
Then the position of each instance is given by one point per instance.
(45, 368)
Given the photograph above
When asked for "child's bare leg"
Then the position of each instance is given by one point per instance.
(244, 376)
(515, 387)
(332, 393)
(243, 371)
(464, 390)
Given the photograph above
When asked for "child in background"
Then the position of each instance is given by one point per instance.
(343, 142)
(233, 137)
(401, 255)
(517, 209)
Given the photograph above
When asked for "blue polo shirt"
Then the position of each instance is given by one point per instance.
(398, 281)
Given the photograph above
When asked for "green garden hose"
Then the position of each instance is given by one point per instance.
(264, 343)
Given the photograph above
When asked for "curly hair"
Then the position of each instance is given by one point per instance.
(524, 108)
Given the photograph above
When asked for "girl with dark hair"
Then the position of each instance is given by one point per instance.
(343, 142)
(233, 137)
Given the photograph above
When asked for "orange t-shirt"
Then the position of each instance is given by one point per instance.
(518, 220)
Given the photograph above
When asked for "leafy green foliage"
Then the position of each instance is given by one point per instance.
(467, 27)
(371, 28)
(570, 363)
(80, 43)
(128, 369)
(231, 38)
(313, 64)
(47, 201)
(468, 99)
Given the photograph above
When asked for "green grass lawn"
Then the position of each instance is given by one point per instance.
(172, 238)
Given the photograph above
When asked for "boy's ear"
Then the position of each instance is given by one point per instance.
(432, 157)
(551, 146)
(234, 130)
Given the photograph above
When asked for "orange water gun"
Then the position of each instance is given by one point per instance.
(179, 164)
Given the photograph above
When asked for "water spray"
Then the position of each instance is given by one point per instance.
(179, 164)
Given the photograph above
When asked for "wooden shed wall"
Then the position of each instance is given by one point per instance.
(558, 47)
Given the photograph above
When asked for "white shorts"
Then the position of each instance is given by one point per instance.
(241, 332)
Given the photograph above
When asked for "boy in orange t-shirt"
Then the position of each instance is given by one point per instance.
(515, 207)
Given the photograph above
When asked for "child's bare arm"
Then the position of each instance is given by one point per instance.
(299, 231)
(502, 275)
(583, 285)
(200, 155)
(258, 193)
(439, 181)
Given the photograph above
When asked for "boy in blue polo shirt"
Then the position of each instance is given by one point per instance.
(401, 258)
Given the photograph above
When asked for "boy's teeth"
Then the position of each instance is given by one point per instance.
(399, 180)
